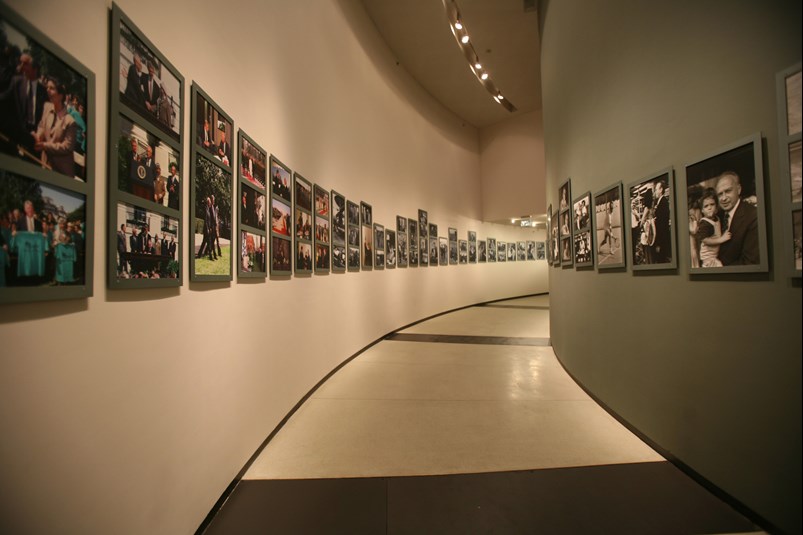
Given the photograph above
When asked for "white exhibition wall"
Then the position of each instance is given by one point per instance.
(131, 411)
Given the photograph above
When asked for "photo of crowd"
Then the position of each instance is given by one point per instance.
(212, 130)
(650, 222)
(43, 115)
(303, 193)
(252, 207)
(147, 86)
(303, 257)
(147, 167)
(147, 244)
(321, 201)
(280, 180)
(42, 234)
(280, 255)
(321, 257)
(280, 217)
(252, 251)
(338, 219)
(608, 227)
(253, 163)
(212, 222)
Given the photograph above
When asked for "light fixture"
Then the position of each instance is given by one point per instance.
(478, 65)
(484, 76)
(458, 25)
(500, 97)
(512, 221)
(464, 39)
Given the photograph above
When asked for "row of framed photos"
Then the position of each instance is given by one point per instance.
(724, 209)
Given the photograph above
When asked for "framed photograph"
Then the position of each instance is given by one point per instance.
(367, 247)
(491, 249)
(339, 258)
(788, 83)
(322, 258)
(462, 248)
(253, 254)
(726, 206)
(564, 196)
(353, 258)
(423, 223)
(210, 197)
(412, 242)
(472, 247)
(565, 224)
(47, 144)
(152, 243)
(530, 250)
(302, 224)
(353, 236)
(554, 236)
(322, 236)
(401, 224)
(453, 254)
(501, 251)
(281, 216)
(433, 244)
(401, 241)
(511, 251)
(145, 153)
(443, 251)
(338, 218)
(213, 128)
(379, 246)
(252, 220)
(540, 250)
(521, 251)
(651, 222)
(482, 251)
(609, 245)
(549, 233)
(582, 212)
(303, 189)
(352, 213)
(303, 264)
(390, 248)
(566, 251)
(583, 256)
(366, 214)
(796, 240)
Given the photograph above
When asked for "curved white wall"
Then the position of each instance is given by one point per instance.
(708, 368)
(131, 411)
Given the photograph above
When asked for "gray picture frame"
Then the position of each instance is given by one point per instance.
(339, 228)
(581, 221)
(401, 241)
(583, 248)
(366, 236)
(554, 239)
(566, 252)
(565, 196)
(492, 250)
(501, 251)
(609, 200)
(512, 253)
(282, 252)
(432, 241)
(788, 91)
(713, 174)
(472, 247)
(482, 251)
(412, 242)
(14, 167)
(462, 252)
(443, 251)
(390, 249)
(353, 245)
(379, 246)
(322, 242)
(303, 226)
(643, 254)
(253, 231)
(157, 133)
(530, 246)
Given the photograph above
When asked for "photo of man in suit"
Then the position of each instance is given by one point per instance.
(150, 88)
(28, 96)
(133, 87)
(740, 218)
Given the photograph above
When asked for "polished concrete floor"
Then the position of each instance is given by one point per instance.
(465, 423)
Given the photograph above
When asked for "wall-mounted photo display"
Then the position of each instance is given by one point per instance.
(433, 244)
(303, 224)
(379, 246)
(322, 229)
(565, 224)
(367, 232)
(146, 119)
(521, 251)
(353, 236)
(582, 212)
(462, 251)
(482, 251)
(652, 213)
(443, 251)
(788, 84)
(726, 206)
(531, 250)
(554, 235)
(583, 256)
(492, 249)
(281, 216)
(148, 244)
(511, 251)
(540, 250)
(412, 242)
(453, 256)
(608, 239)
(472, 247)
(401, 241)
(566, 251)
(423, 238)
(564, 196)
(338, 232)
(213, 129)
(211, 195)
(253, 209)
(390, 248)
(47, 174)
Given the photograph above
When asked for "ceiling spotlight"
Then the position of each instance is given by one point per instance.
(497, 100)
(512, 221)
(458, 25)
(484, 76)
(478, 65)
(500, 97)
(464, 39)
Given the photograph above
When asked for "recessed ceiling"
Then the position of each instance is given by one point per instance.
(503, 33)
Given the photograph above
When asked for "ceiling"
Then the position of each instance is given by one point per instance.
(503, 33)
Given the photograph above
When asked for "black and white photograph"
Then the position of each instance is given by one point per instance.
(443, 251)
(433, 250)
(651, 222)
(338, 219)
(321, 199)
(379, 246)
(423, 250)
(354, 236)
(564, 196)
(453, 254)
(797, 234)
(280, 256)
(565, 224)
(472, 247)
(42, 234)
(582, 212)
(530, 250)
(367, 252)
(303, 192)
(280, 180)
(726, 204)
(146, 166)
(390, 248)
(540, 250)
(501, 251)
(511, 251)
(353, 258)
(452, 234)
(253, 253)
(147, 85)
(212, 225)
(521, 251)
(353, 213)
(401, 224)
(554, 233)
(339, 258)
(45, 113)
(795, 179)
(423, 223)
(253, 162)
(280, 217)
(462, 251)
(322, 259)
(412, 242)
(366, 214)
(147, 244)
(303, 257)
(566, 257)
(609, 246)
(582, 249)
(213, 129)
(252, 207)
(482, 252)
(401, 248)
(492, 249)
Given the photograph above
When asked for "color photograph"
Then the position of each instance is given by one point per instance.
(253, 163)
(303, 193)
(280, 217)
(280, 256)
(147, 167)
(304, 226)
(322, 258)
(213, 130)
(321, 197)
(303, 257)
(147, 244)
(253, 254)
(280, 180)
(252, 207)
(321, 229)
(212, 223)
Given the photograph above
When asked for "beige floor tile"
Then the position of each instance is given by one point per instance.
(488, 321)
(534, 301)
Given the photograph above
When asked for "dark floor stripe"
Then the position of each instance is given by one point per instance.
(642, 498)
(529, 307)
(465, 339)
